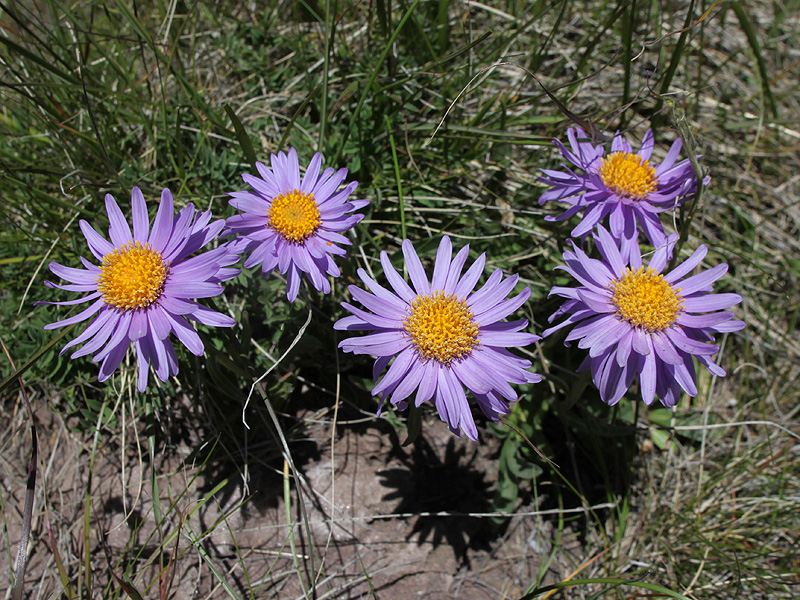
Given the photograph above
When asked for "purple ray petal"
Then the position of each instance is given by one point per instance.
(98, 245)
(141, 222)
(162, 225)
(186, 334)
(118, 229)
(711, 302)
(400, 287)
(415, 269)
(81, 316)
(442, 264)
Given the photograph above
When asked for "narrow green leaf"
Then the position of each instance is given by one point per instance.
(241, 135)
(414, 423)
(33, 360)
(747, 26)
(611, 581)
(398, 178)
(21, 51)
(368, 88)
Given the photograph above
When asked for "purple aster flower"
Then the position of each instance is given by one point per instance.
(442, 336)
(293, 224)
(623, 186)
(634, 320)
(144, 287)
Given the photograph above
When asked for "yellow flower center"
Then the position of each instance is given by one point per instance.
(441, 327)
(294, 215)
(132, 276)
(646, 300)
(628, 175)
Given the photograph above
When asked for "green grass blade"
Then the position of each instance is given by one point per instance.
(24, 52)
(328, 29)
(747, 26)
(62, 572)
(368, 88)
(241, 135)
(610, 581)
(34, 359)
(398, 179)
(675, 60)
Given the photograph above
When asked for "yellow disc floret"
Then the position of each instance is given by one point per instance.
(646, 300)
(441, 327)
(132, 276)
(628, 175)
(294, 215)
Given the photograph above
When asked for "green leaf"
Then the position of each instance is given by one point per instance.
(241, 135)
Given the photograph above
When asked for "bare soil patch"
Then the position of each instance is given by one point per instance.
(370, 518)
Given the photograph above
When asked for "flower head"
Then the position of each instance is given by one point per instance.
(622, 185)
(443, 335)
(144, 285)
(293, 224)
(634, 320)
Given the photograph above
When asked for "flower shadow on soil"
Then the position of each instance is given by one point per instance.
(429, 484)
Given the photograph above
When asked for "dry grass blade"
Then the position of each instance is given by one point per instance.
(17, 588)
(27, 514)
